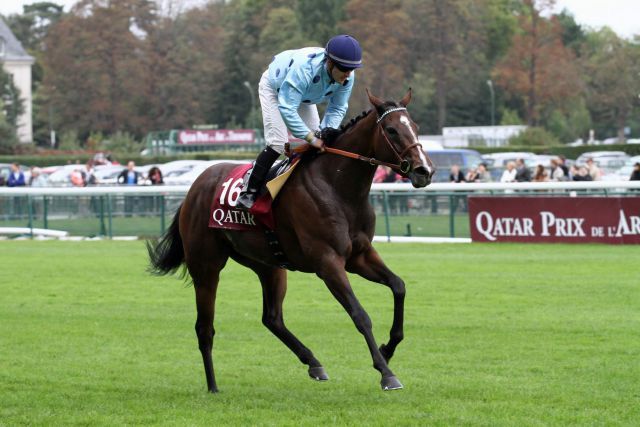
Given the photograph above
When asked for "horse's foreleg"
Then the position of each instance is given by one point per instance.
(370, 266)
(335, 277)
(274, 288)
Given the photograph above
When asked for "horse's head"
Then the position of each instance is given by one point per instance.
(397, 140)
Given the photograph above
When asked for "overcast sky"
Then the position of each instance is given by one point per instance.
(623, 16)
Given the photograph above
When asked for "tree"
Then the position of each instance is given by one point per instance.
(31, 27)
(12, 103)
(319, 19)
(243, 23)
(449, 41)
(93, 70)
(538, 68)
(385, 52)
(573, 35)
(8, 137)
(182, 62)
(612, 71)
(282, 32)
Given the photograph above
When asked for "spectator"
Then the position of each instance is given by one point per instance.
(390, 176)
(581, 174)
(483, 173)
(456, 174)
(155, 176)
(16, 177)
(594, 170)
(89, 174)
(635, 175)
(523, 174)
(37, 179)
(509, 174)
(472, 175)
(129, 176)
(77, 178)
(540, 175)
(562, 161)
(557, 173)
(380, 174)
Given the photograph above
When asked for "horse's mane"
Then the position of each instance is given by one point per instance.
(330, 136)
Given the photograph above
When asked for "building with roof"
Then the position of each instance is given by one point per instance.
(17, 63)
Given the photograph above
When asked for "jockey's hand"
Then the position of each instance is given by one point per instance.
(318, 143)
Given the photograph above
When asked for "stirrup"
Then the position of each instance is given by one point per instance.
(246, 200)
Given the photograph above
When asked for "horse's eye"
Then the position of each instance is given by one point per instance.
(391, 131)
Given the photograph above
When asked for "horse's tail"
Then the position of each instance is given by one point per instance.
(167, 255)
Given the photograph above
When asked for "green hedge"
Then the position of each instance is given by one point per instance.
(61, 159)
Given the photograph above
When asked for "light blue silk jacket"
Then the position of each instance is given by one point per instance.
(301, 77)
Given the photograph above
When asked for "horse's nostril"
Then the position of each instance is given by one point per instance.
(420, 170)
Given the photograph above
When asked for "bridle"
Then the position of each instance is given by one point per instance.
(403, 166)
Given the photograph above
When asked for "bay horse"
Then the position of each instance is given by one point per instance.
(325, 225)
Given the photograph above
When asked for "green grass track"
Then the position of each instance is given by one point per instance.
(495, 335)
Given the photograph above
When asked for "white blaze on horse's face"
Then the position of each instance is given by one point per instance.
(405, 121)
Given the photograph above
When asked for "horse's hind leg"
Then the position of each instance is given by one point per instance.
(205, 275)
(274, 288)
(370, 266)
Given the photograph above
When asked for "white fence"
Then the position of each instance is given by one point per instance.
(403, 213)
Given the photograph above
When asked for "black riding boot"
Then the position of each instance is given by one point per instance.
(263, 163)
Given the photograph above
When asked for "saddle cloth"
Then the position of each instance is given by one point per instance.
(224, 214)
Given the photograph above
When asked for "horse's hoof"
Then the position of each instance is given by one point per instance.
(318, 373)
(390, 383)
(213, 390)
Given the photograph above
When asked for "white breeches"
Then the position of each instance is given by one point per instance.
(275, 131)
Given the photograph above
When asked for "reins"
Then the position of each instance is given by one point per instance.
(403, 166)
(370, 160)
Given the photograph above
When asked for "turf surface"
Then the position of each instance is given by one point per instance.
(494, 335)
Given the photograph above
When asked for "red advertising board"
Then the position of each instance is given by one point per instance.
(555, 219)
(216, 136)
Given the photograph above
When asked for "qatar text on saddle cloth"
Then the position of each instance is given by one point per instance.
(225, 214)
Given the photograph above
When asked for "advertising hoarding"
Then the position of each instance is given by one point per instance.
(555, 219)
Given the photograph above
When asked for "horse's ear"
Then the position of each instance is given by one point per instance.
(407, 99)
(374, 100)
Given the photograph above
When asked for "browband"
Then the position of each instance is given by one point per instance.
(391, 110)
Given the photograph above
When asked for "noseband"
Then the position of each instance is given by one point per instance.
(403, 166)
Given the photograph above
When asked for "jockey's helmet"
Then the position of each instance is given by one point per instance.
(345, 51)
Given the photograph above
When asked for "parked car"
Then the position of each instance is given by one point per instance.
(188, 177)
(607, 161)
(178, 167)
(624, 173)
(61, 177)
(445, 158)
(108, 175)
(500, 160)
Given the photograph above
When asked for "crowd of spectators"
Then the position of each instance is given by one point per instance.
(84, 175)
(79, 176)
(518, 171)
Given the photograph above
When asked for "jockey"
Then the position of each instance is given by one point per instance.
(295, 81)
